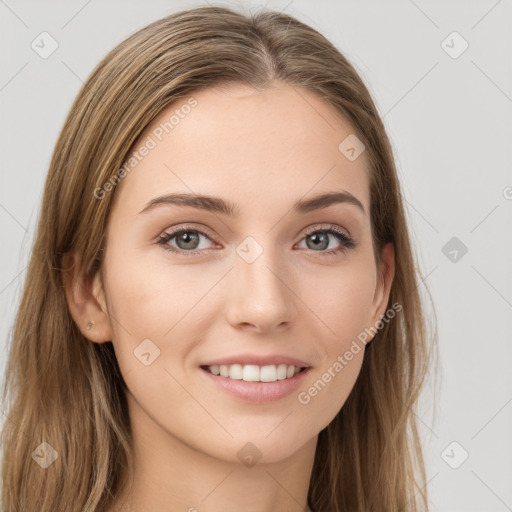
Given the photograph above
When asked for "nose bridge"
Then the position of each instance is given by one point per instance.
(261, 296)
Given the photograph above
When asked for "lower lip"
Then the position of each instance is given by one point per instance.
(257, 392)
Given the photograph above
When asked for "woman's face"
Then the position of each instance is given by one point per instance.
(190, 284)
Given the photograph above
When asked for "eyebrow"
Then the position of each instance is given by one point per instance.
(222, 206)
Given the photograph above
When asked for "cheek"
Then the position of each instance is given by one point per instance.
(147, 293)
(324, 394)
(150, 298)
(143, 303)
(341, 299)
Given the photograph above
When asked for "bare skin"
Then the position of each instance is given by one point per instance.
(262, 150)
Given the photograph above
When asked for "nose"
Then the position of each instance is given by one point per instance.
(260, 296)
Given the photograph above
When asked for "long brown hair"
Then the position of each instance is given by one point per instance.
(62, 389)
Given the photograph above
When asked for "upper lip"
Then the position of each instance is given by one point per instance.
(244, 359)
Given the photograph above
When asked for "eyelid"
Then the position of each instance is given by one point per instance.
(305, 231)
(171, 233)
(326, 226)
(346, 237)
(189, 227)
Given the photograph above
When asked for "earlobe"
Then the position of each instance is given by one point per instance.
(86, 301)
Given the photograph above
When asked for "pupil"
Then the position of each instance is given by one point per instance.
(187, 238)
(317, 238)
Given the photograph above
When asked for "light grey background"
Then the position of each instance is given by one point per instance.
(450, 123)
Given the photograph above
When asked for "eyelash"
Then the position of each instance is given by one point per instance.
(346, 241)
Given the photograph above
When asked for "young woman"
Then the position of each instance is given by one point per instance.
(221, 311)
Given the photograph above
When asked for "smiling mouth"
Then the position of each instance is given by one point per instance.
(254, 373)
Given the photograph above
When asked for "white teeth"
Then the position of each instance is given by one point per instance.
(268, 373)
(254, 373)
(235, 371)
(281, 372)
(251, 373)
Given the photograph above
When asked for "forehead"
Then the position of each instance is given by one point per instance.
(279, 143)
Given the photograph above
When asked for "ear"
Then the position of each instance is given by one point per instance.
(86, 300)
(385, 276)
